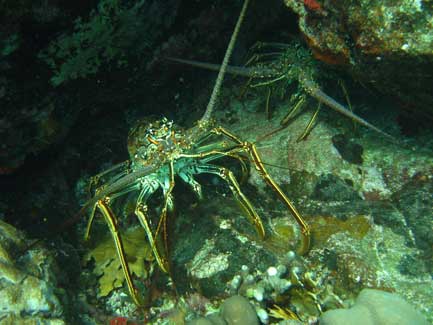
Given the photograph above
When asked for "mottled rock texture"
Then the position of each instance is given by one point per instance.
(27, 282)
(387, 45)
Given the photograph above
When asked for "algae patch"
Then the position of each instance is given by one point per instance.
(107, 265)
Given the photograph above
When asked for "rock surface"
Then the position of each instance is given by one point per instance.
(27, 284)
(387, 45)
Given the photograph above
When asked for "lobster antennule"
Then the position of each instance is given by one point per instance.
(239, 71)
(117, 185)
(112, 188)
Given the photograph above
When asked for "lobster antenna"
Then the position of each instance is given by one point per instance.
(216, 89)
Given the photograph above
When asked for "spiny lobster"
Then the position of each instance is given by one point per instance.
(159, 151)
(290, 63)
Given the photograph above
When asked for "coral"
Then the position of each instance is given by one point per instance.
(122, 321)
(107, 265)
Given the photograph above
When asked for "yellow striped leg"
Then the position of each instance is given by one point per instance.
(310, 125)
(292, 111)
(245, 88)
(112, 197)
(90, 222)
(228, 176)
(269, 82)
(103, 206)
(268, 98)
(250, 148)
(305, 229)
(244, 169)
(141, 212)
(163, 216)
(232, 153)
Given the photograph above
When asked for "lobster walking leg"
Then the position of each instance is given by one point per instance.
(141, 212)
(227, 176)
(250, 148)
(110, 219)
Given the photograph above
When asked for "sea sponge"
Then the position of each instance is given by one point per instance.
(375, 307)
(237, 310)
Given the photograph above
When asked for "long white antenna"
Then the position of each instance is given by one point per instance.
(216, 89)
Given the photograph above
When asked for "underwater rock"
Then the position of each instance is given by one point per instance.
(414, 201)
(237, 310)
(213, 319)
(385, 166)
(216, 319)
(301, 288)
(374, 261)
(320, 168)
(386, 45)
(210, 249)
(375, 307)
(323, 178)
(200, 321)
(28, 290)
